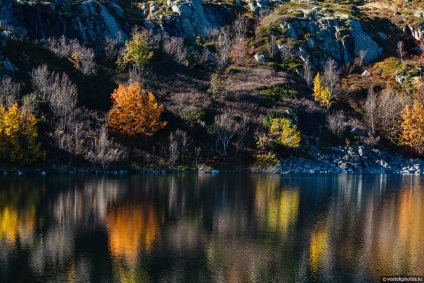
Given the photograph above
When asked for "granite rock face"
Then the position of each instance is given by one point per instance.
(339, 37)
(351, 159)
(87, 21)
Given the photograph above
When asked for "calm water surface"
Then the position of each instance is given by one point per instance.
(203, 228)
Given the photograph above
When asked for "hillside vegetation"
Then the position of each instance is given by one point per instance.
(206, 84)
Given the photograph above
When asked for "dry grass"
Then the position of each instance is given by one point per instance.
(251, 80)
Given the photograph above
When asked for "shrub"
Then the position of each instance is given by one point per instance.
(269, 160)
(137, 52)
(278, 92)
(217, 88)
(18, 135)
(412, 126)
(285, 132)
(322, 94)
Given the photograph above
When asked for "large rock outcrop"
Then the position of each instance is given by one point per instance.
(340, 37)
(93, 21)
(187, 18)
(89, 21)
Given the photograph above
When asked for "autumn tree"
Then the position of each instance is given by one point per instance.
(412, 126)
(135, 112)
(322, 94)
(137, 52)
(18, 135)
(285, 132)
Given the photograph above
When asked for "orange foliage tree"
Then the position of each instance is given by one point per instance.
(412, 126)
(135, 112)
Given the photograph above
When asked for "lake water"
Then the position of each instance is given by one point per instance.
(205, 228)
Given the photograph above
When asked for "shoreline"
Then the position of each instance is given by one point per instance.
(357, 159)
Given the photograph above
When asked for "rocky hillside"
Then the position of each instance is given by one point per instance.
(232, 70)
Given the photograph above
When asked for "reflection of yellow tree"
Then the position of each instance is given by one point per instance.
(318, 247)
(14, 223)
(277, 209)
(132, 228)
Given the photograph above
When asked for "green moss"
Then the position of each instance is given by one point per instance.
(277, 92)
(290, 66)
(198, 116)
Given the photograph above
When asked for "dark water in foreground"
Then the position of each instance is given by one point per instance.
(202, 228)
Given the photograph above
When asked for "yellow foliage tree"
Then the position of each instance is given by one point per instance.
(18, 135)
(135, 112)
(322, 94)
(137, 52)
(412, 126)
(285, 132)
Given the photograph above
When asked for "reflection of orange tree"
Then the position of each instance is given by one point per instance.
(277, 209)
(132, 228)
(399, 231)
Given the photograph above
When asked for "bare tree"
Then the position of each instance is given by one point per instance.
(240, 26)
(63, 99)
(308, 74)
(178, 143)
(225, 129)
(104, 151)
(370, 109)
(389, 108)
(224, 46)
(242, 131)
(82, 57)
(30, 104)
(197, 151)
(331, 77)
(359, 60)
(285, 50)
(401, 50)
(200, 57)
(42, 81)
(112, 47)
(336, 122)
(272, 46)
(85, 59)
(9, 92)
(174, 46)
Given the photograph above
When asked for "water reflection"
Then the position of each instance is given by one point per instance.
(131, 229)
(180, 228)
